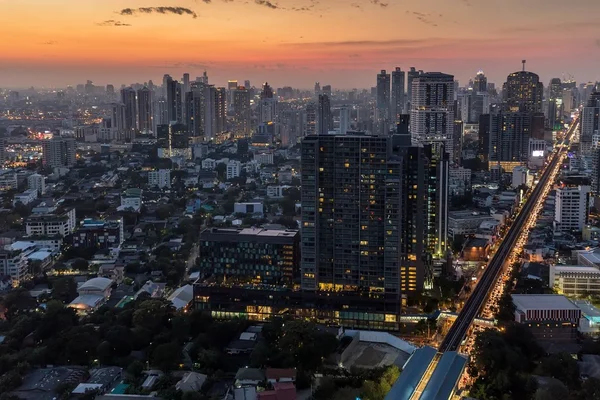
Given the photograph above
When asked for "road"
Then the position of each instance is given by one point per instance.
(512, 240)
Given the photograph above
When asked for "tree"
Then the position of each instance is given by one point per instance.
(552, 391)
(10, 381)
(166, 356)
(80, 264)
(64, 289)
(150, 314)
(135, 369)
(191, 396)
(562, 367)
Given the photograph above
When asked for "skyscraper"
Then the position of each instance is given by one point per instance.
(374, 213)
(589, 129)
(554, 113)
(410, 76)
(324, 116)
(145, 112)
(398, 100)
(128, 97)
(480, 83)
(523, 91)
(117, 117)
(174, 100)
(311, 119)
(242, 113)
(432, 109)
(509, 137)
(344, 119)
(267, 108)
(161, 113)
(195, 103)
(383, 102)
(317, 89)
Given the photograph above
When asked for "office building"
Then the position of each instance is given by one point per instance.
(572, 204)
(324, 116)
(410, 76)
(117, 118)
(58, 152)
(196, 103)
(549, 317)
(129, 100)
(555, 108)
(242, 113)
(363, 216)
(523, 91)
(432, 109)
(185, 83)
(575, 280)
(100, 235)
(509, 134)
(160, 114)
(160, 178)
(292, 127)
(344, 119)
(58, 223)
(383, 107)
(311, 119)
(174, 100)
(590, 123)
(480, 83)
(145, 112)
(398, 98)
(267, 108)
(37, 182)
(251, 255)
(3, 156)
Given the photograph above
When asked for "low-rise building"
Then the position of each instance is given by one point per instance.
(26, 197)
(550, 317)
(264, 158)
(575, 280)
(234, 168)
(131, 199)
(160, 178)
(8, 180)
(248, 208)
(92, 295)
(99, 234)
(37, 182)
(54, 224)
(462, 223)
(252, 254)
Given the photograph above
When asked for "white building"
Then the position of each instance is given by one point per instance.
(8, 180)
(276, 192)
(209, 164)
(56, 224)
(92, 294)
(520, 176)
(26, 197)
(575, 280)
(160, 178)
(233, 169)
(14, 263)
(344, 120)
(571, 208)
(131, 199)
(37, 182)
(462, 174)
(264, 158)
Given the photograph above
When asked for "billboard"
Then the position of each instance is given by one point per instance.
(537, 153)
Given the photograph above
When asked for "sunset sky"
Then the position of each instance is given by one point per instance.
(293, 42)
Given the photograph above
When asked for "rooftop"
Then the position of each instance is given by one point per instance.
(413, 371)
(444, 377)
(578, 269)
(542, 302)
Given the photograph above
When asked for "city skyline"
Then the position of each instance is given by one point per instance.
(292, 42)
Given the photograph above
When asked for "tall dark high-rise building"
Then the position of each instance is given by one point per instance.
(374, 212)
(145, 112)
(554, 112)
(383, 102)
(174, 100)
(128, 97)
(510, 132)
(410, 76)
(523, 91)
(117, 117)
(324, 115)
(590, 123)
(484, 137)
(398, 99)
(432, 109)
(311, 119)
(480, 83)
(242, 112)
(195, 112)
(327, 90)
(59, 152)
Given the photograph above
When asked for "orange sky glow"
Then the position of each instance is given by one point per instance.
(292, 42)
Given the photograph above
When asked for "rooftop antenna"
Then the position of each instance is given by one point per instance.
(524, 61)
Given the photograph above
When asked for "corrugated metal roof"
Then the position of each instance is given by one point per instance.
(445, 377)
(411, 375)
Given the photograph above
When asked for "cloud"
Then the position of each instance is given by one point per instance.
(112, 22)
(426, 18)
(49, 43)
(379, 3)
(365, 43)
(354, 55)
(598, 42)
(158, 10)
(267, 4)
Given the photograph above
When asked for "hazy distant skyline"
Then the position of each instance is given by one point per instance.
(344, 43)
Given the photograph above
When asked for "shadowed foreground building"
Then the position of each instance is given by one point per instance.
(373, 218)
